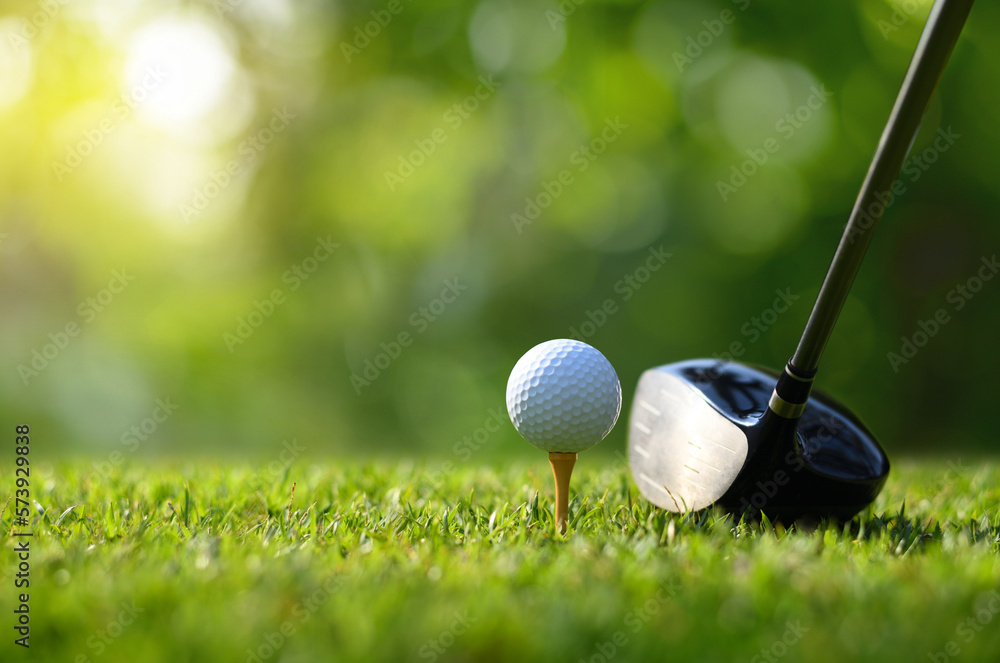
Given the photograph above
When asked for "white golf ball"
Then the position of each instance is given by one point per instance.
(563, 396)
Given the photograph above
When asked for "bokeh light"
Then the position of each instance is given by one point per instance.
(15, 62)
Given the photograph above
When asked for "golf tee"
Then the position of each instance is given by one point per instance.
(562, 468)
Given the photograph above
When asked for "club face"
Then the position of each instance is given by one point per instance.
(696, 437)
(684, 453)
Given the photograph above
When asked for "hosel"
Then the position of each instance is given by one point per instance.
(778, 422)
(790, 395)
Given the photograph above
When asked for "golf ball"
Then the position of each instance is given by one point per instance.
(563, 396)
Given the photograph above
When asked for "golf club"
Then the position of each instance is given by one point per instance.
(705, 431)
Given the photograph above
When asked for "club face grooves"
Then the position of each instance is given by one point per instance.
(684, 455)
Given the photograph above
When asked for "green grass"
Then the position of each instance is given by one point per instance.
(217, 559)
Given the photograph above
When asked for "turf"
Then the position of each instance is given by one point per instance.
(400, 563)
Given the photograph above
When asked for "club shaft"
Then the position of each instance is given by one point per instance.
(929, 59)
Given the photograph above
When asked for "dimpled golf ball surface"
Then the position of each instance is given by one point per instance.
(563, 396)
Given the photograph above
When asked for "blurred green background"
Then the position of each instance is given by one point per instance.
(218, 219)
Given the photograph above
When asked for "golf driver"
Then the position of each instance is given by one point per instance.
(706, 432)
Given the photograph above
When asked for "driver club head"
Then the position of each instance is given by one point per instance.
(700, 434)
